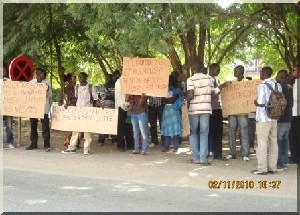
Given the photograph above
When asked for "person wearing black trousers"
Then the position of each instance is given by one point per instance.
(124, 130)
(294, 137)
(155, 111)
(41, 76)
(216, 119)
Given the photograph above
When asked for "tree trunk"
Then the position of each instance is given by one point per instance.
(297, 7)
(100, 61)
(191, 41)
(175, 61)
(58, 55)
(202, 39)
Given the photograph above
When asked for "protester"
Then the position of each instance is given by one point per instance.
(124, 130)
(240, 120)
(86, 95)
(41, 78)
(284, 123)
(155, 112)
(8, 120)
(266, 128)
(139, 121)
(199, 90)
(70, 99)
(216, 119)
(295, 124)
(251, 127)
(171, 121)
(107, 95)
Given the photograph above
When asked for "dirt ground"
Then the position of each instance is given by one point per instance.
(155, 168)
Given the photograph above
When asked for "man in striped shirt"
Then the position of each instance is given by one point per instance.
(199, 90)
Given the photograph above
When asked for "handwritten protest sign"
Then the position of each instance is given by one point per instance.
(145, 75)
(24, 99)
(238, 98)
(85, 119)
(185, 120)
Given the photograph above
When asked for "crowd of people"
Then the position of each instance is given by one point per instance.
(201, 94)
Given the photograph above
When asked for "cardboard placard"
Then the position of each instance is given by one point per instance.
(185, 120)
(145, 75)
(24, 99)
(296, 94)
(238, 98)
(85, 119)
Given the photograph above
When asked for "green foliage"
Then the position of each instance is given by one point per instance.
(95, 37)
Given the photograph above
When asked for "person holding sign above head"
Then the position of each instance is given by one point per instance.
(139, 121)
(41, 78)
(240, 120)
(86, 95)
(8, 120)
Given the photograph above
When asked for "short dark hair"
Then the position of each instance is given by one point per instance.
(214, 66)
(197, 66)
(283, 71)
(240, 67)
(268, 70)
(5, 66)
(42, 70)
(84, 74)
(68, 77)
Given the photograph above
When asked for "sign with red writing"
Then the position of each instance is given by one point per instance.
(21, 69)
(145, 75)
(238, 98)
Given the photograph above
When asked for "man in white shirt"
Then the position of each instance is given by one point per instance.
(125, 130)
(86, 94)
(295, 124)
(41, 78)
(266, 128)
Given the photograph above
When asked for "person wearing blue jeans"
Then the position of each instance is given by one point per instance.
(200, 87)
(199, 125)
(283, 130)
(284, 123)
(242, 122)
(8, 119)
(139, 121)
(9, 131)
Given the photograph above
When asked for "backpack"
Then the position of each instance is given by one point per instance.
(277, 103)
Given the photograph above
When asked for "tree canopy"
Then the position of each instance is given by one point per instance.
(95, 37)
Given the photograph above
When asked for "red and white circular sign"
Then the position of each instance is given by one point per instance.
(21, 69)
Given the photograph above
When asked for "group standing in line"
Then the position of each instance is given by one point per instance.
(205, 116)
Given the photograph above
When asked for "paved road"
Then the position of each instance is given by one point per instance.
(30, 191)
